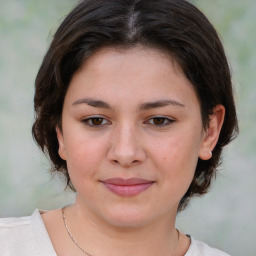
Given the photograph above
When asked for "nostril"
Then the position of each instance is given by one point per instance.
(125, 163)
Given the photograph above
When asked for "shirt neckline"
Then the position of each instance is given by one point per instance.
(40, 230)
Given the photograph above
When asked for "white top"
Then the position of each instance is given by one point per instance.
(27, 236)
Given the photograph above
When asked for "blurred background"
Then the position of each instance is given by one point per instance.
(225, 218)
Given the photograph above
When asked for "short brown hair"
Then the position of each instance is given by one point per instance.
(175, 26)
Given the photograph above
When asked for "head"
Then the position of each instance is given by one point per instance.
(174, 27)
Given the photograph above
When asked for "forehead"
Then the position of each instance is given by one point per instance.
(132, 59)
(140, 73)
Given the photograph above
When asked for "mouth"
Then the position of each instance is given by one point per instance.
(127, 187)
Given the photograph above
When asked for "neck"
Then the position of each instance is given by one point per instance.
(102, 239)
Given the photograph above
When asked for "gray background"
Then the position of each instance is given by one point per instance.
(224, 218)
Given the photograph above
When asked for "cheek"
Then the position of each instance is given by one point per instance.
(177, 158)
(83, 159)
(172, 149)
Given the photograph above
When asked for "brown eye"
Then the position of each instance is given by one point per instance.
(159, 120)
(96, 121)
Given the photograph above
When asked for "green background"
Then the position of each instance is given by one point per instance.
(224, 218)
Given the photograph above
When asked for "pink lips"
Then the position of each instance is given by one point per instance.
(127, 187)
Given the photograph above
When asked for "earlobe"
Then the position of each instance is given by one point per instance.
(211, 136)
(62, 152)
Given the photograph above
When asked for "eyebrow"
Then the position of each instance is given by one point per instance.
(160, 103)
(92, 102)
(144, 106)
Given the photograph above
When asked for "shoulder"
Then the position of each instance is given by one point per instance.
(13, 228)
(24, 236)
(198, 248)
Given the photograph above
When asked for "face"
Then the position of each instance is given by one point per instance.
(131, 135)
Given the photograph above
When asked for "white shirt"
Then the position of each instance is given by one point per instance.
(27, 236)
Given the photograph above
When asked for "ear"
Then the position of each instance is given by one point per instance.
(62, 151)
(211, 135)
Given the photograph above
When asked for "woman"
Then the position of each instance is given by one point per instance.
(133, 105)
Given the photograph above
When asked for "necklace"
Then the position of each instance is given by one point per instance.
(76, 243)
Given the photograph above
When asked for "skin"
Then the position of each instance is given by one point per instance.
(126, 136)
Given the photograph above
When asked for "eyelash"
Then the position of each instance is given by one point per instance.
(167, 121)
(88, 121)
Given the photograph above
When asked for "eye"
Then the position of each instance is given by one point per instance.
(96, 121)
(160, 121)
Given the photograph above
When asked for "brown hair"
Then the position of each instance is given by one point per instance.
(175, 26)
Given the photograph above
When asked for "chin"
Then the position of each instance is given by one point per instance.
(127, 218)
(128, 222)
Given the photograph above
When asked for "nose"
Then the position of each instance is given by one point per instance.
(126, 147)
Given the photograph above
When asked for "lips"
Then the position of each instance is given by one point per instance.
(127, 187)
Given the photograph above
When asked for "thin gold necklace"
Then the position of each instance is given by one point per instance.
(85, 252)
